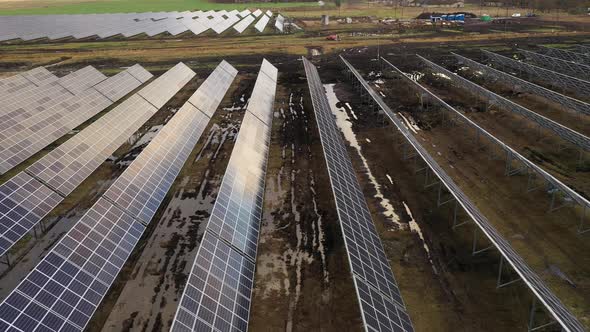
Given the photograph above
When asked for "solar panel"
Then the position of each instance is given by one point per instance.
(374, 279)
(174, 79)
(257, 13)
(82, 79)
(23, 201)
(195, 26)
(139, 73)
(219, 289)
(268, 13)
(225, 24)
(379, 312)
(244, 23)
(261, 24)
(115, 89)
(64, 168)
(32, 135)
(20, 140)
(28, 80)
(144, 184)
(66, 287)
(30, 101)
(280, 23)
(39, 76)
(211, 92)
(264, 92)
(244, 13)
(238, 209)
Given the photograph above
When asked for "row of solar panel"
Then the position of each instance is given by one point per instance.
(65, 288)
(128, 25)
(379, 297)
(219, 288)
(57, 108)
(30, 195)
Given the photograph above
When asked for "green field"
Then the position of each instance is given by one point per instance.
(45, 7)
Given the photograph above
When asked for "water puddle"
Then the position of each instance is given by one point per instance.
(343, 122)
(414, 227)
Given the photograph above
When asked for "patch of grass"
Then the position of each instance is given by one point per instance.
(46, 7)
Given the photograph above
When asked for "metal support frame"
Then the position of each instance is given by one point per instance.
(511, 155)
(501, 284)
(476, 251)
(561, 131)
(533, 313)
(560, 312)
(440, 194)
(566, 55)
(551, 78)
(574, 69)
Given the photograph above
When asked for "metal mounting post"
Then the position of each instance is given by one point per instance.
(440, 196)
(531, 325)
(552, 207)
(532, 175)
(476, 251)
(7, 259)
(509, 170)
(426, 180)
(455, 211)
(581, 229)
(500, 284)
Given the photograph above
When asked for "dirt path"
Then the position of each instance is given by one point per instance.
(302, 280)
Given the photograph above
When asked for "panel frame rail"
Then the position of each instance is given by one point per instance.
(380, 302)
(565, 82)
(569, 103)
(554, 307)
(557, 189)
(581, 141)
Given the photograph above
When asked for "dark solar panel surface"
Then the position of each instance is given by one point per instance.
(366, 255)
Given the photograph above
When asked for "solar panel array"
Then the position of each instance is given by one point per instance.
(108, 25)
(24, 136)
(219, 288)
(59, 172)
(537, 286)
(65, 288)
(371, 271)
